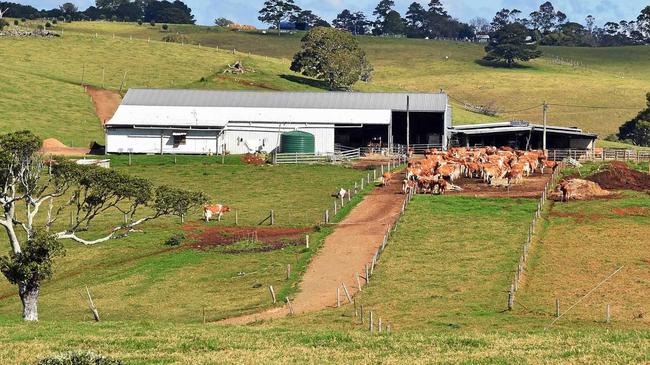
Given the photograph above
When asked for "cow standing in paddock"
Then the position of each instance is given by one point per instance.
(218, 209)
(385, 179)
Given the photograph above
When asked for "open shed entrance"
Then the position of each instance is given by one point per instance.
(425, 128)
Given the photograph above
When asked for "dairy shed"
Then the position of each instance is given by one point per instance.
(208, 121)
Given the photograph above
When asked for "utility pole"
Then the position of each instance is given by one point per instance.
(544, 113)
(408, 124)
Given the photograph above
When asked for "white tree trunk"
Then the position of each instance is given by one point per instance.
(29, 298)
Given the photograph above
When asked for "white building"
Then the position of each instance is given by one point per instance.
(203, 121)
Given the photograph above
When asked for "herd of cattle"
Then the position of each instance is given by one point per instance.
(504, 166)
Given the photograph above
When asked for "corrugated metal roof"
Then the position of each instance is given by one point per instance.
(282, 99)
(505, 127)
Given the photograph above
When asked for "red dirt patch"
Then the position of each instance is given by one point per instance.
(631, 211)
(618, 176)
(105, 102)
(253, 159)
(265, 239)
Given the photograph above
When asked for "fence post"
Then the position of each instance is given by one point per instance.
(335, 207)
(272, 217)
(370, 324)
(358, 281)
(557, 307)
(327, 216)
(511, 296)
(306, 241)
(338, 298)
(608, 314)
(288, 271)
(367, 274)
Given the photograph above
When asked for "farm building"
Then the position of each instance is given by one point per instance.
(521, 135)
(204, 121)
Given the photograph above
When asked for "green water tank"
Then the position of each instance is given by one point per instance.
(297, 142)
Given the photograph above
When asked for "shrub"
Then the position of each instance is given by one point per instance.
(612, 138)
(78, 358)
(139, 22)
(40, 27)
(15, 21)
(23, 20)
(165, 26)
(3, 23)
(175, 240)
(61, 18)
(114, 18)
(48, 25)
(152, 23)
(175, 38)
(55, 21)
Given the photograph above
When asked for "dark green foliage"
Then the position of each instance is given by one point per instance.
(48, 25)
(333, 56)
(165, 26)
(175, 240)
(3, 24)
(78, 358)
(637, 130)
(355, 23)
(15, 21)
(223, 22)
(139, 22)
(509, 44)
(276, 11)
(172, 201)
(152, 23)
(176, 38)
(393, 24)
(34, 264)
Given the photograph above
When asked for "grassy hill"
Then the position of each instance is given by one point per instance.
(101, 52)
(608, 77)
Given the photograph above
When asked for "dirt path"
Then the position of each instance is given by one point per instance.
(344, 253)
(105, 102)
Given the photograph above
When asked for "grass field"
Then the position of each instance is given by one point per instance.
(170, 343)
(140, 278)
(440, 285)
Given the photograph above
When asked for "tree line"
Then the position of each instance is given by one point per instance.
(544, 26)
(164, 11)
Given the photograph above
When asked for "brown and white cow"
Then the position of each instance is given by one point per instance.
(215, 209)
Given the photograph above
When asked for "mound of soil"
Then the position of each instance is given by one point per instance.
(618, 176)
(580, 190)
(256, 239)
(53, 146)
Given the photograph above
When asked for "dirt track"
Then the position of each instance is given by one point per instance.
(344, 253)
(105, 102)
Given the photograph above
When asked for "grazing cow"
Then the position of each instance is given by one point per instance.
(218, 209)
(566, 190)
(408, 186)
(550, 164)
(385, 178)
(441, 186)
(340, 194)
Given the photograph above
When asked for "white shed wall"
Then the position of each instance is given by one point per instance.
(125, 140)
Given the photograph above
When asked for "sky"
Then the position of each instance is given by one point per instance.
(246, 12)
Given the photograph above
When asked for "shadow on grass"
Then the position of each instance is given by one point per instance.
(494, 64)
(306, 81)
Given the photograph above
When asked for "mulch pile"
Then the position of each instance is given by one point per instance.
(264, 239)
(580, 190)
(619, 176)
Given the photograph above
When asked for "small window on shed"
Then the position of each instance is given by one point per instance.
(179, 139)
